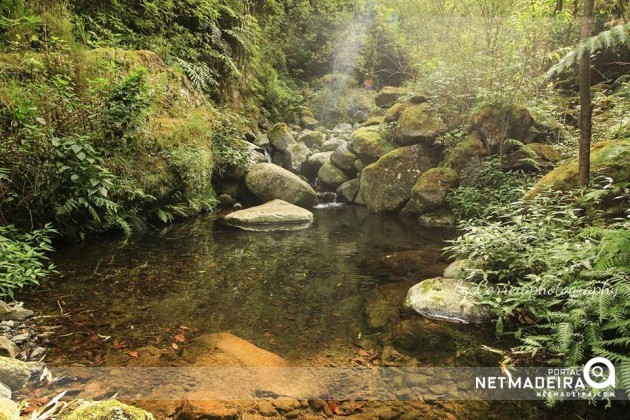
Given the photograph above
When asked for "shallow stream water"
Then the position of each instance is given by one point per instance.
(330, 295)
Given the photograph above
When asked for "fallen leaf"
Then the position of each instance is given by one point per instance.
(133, 354)
(180, 338)
(117, 344)
(175, 346)
(267, 334)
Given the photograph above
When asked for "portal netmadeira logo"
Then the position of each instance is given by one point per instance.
(596, 379)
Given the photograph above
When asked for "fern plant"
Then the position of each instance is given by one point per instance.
(617, 36)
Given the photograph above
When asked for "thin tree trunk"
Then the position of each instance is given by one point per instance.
(586, 106)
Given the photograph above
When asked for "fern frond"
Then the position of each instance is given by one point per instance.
(616, 36)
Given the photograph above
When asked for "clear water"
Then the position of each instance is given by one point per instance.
(299, 294)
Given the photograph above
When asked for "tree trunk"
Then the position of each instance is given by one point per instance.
(586, 106)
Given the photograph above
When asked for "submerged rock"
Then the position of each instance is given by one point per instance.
(14, 373)
(13, 313)
(274, 215)
(269, 182)
(446, 299)
(103, 410)
(386, 185)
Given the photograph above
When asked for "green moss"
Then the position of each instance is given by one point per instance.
(471, 146)
(611, 158)
(105, 410)
(374, 121)
(419, 123)
(434, 178)
(369, 143)
(393, 113)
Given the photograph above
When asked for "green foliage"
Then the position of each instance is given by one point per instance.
(126, 106)
(23, 257)
(614, 37)
(491, 188)
(557, 267)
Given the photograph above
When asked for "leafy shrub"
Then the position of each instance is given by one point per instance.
(23, 257)
(492, 187)
(558, 272)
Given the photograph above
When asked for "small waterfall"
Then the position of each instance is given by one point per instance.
(267, 155)
(327, 200)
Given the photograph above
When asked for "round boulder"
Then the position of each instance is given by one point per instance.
(280, 137)
(343, 158)
(369, 143)
(386, 185)
(269, 182)
(431, 190)
(446, 299)
(419, 123)
(330, 176)
(274, 215)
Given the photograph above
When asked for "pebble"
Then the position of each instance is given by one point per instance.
(20, 338)
(37, 353)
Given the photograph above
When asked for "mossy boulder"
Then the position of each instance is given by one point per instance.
(315, 162)
(497, 123)
(312, 138)
(369, 143)
(388, 95)
(446, 299)
(466, 157)
(394, 113)
(269, 182)
(329, 176)
(343, 158)
(430, 191)
(386, 185)
(419, 123)
(610, 158)
(280, 137)
(14, 373)
(332, 145)
(103, 410)
(532, 157)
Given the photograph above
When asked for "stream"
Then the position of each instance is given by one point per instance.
(330, 295)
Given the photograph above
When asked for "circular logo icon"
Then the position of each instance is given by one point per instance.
(593, 369)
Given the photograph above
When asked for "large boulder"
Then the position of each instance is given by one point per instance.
(497, 123)
(388, 95)
(431, 190)
(369, 144)
(102, 410)
(269, 182)
(330, 176)
(610, 158)
(348, 190)
(274, 215)
(343, 158)
(446, 299)
(311, 139)
(296, 156)
(418, 124)
(280, 137)
(386, 185)
(14, 373)
(308, 121)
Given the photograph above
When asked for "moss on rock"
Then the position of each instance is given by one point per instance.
(429, 192)
(610, 158)
(103, 410)
(419, 123)
(369, 143)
